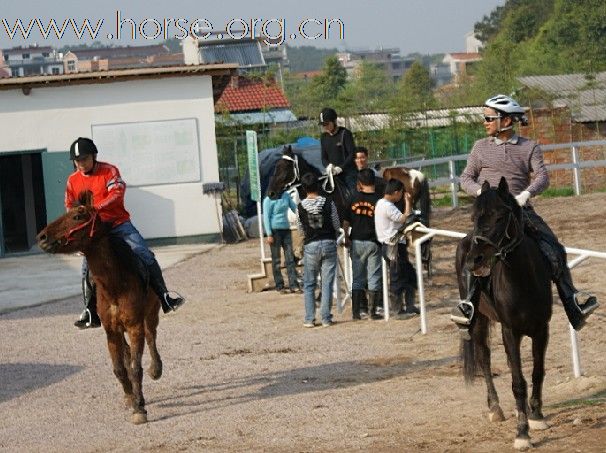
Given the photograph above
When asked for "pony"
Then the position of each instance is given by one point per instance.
(125, 302)
(512, 287)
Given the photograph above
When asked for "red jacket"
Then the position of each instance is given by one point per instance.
(107, 188)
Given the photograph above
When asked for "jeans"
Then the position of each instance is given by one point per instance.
(366, 265)
(319, 257)
(283, 240)
(133, 238)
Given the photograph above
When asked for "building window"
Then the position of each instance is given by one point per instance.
(45, 54)
(55, 71)
(25, 56)
(71, 65)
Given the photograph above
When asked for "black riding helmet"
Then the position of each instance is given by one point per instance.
(82, 147)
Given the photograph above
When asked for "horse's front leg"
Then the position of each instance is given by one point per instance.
(511, 341)
(116, 345)
(480, 336)
(539, 347)
(136, 336)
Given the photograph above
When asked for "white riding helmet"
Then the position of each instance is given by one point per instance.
(508, 106)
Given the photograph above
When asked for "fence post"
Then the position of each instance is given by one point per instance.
(576, 171)
(453, 183)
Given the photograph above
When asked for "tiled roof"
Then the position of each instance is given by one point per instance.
(249, 95)
(585, 98)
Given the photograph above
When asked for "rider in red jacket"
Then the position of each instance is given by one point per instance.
(107, 187)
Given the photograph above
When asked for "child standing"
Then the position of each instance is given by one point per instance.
(277, 228)
(319, 221)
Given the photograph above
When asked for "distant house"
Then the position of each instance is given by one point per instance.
(250, 101)
(4, 69)
(33, 60)
(460, 63)
(389, 60)
(110, 53)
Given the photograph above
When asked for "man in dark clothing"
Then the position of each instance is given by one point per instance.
(338, 149)
(365, 249)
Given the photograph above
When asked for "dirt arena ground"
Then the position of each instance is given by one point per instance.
(242, 374)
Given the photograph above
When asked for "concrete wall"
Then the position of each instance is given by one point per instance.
(51, 118)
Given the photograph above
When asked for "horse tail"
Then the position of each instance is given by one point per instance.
(471, 354)
(425, 201)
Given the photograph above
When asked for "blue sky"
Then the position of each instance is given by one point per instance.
(425, 26)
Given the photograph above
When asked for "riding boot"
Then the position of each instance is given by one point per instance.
(373, 303)
(409, 299)
(156, 281)
(89, 317)
(356, 295)
(577, 312)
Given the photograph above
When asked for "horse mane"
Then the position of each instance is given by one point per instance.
(490, 197)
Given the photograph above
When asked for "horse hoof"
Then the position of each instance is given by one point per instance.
(155, 372)
(496, 415)
(522, 444)
(538, 425)
(139, 418)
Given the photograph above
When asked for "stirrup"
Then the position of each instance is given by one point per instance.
(590, 304)
(463, 313)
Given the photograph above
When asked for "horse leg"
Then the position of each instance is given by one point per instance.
(135, 373)
(151, 325)
(481, 336)
(539, 347)
(116, 345)
(512, 340)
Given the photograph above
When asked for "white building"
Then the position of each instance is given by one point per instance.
(156, 124)
(33, 60)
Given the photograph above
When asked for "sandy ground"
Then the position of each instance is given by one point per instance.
(242, 374)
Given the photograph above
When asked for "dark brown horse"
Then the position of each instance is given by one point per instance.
(513, 287)
(125, 302)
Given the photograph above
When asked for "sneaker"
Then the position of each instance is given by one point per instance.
(296, 290)
(462, 313)
(309, 324)
(328, 323)
(363, 315)
(413, 310)
(375, 316)
(87, 321)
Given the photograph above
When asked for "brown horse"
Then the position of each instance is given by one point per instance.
(125, 302)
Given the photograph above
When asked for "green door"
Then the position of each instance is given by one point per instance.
(56, 167)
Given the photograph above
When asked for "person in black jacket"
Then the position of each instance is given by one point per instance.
(338, 149)
(319, 221)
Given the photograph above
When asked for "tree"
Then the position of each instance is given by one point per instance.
(368, 91)
(414, 92)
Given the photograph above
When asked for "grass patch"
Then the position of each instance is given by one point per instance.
(593, 400)
(555, 192)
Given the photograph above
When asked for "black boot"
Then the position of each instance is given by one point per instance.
(156, 281)
(89, 317)
(409, 299)
(577, 312)
(356, 296)
(364, 306)
(373, 303)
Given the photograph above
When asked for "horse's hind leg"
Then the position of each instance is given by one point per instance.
(117, 350)
(151, 325)
(135, 373)
(539, 347)
(480, 335)
(511, 341)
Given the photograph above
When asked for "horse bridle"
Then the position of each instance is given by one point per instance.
(91, 222)
(328, 178)
(504, 250)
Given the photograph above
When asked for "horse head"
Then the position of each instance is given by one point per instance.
(497, 228)
(286, 172)
(74, 230)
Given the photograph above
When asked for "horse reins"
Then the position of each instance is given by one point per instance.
(91, 221)
(295, 166)
(328, 178)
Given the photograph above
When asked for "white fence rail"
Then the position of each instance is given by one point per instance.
(430, 232)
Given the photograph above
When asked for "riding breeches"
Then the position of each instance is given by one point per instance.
(547, 241)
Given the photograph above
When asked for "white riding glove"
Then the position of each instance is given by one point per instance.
(523, 197)
(336, 170)
(479, 191)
